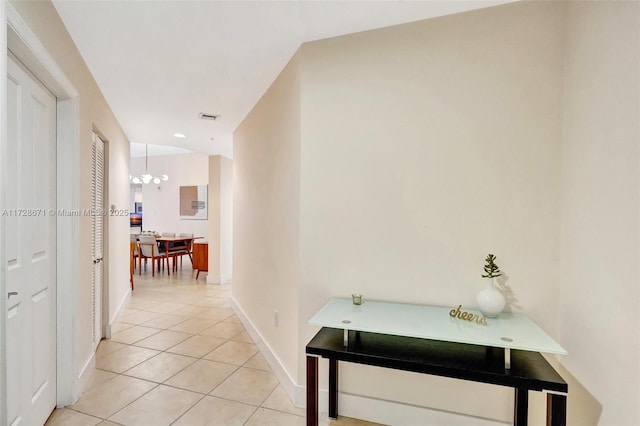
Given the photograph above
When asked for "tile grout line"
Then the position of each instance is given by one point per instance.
(227, 320)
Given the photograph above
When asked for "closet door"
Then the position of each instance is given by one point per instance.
(97, 232)
(30, 247)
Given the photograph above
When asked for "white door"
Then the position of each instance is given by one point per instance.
(30, 247)
(97, 222)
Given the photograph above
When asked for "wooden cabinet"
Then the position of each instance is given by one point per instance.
(200, 257)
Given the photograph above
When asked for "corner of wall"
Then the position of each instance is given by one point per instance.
(122, 303)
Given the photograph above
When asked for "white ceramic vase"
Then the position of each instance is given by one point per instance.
(490, 300)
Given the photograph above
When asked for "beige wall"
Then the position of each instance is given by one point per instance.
(425, 146)
(220, 220)
(94, 112)
(600, 282)
(266, 216)
(161, 203)
(226, 219)
(213, 274)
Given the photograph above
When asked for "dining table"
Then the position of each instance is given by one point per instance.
(178, 243)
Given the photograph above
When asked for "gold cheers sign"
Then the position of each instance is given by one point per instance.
(467, 316)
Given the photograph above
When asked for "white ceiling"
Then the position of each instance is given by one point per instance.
(150, 150)
(161, 63)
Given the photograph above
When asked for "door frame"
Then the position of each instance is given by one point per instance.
(23, 43)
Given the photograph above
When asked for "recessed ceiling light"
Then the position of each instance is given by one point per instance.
(179, 135)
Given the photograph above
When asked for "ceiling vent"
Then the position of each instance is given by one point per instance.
(205, 116)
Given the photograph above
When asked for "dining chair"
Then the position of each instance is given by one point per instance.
(182, 248)
(149, 249)
(134, 247)
(162, 244)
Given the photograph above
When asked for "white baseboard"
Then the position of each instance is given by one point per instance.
(392, 412)
(116, 315)
(90, 365)
(85, 373)
(286, 381)
(356, 406)
(215, 279)
(398, 414)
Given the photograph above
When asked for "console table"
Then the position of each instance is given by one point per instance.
(426, 339)
(201, 257)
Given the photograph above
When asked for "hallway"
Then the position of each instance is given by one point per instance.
(180, 356)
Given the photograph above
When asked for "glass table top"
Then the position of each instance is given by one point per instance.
(508, 330)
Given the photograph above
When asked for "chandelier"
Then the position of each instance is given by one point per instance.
(146, 177)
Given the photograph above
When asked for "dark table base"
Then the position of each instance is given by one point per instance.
(529, 370)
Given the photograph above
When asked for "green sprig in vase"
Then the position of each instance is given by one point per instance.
(490, 300)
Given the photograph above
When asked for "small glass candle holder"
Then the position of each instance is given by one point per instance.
(357, 299)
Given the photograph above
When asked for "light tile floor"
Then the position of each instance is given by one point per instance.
(180, 356)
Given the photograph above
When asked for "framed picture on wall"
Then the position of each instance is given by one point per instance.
(193, 202)
(138, 207)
